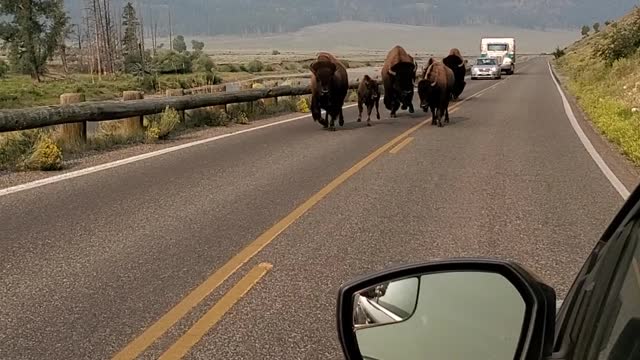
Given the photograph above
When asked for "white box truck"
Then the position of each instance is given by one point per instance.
(500, 48)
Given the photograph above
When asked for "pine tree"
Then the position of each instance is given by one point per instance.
(179, 44)
(33, 31)
(130, 42)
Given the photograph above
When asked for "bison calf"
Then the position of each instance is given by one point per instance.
(369, 95)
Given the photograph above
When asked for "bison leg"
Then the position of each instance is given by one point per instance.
(316, 113)
(434, 117)
(439, 112)
(332, 124)
(446, 115)
(377, 109)
(411, 110)
(359, 110)
(369, 110)
(325, 121)
(395, 108)
(341, 118)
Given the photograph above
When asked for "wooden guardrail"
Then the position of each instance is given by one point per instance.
(82, 112)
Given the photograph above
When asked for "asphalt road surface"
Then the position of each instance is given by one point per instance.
(267, 224)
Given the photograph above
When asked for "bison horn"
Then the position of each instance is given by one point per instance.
(434, 83)
(392, 72)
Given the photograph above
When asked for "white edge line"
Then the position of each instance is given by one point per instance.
(613, 179)
(110, 165)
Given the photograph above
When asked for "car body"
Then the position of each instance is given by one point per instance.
(487, 68)
(599, 318)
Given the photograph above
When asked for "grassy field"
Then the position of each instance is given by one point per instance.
(364, 41)
(607, 91)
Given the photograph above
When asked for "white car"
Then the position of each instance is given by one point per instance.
(486, 68)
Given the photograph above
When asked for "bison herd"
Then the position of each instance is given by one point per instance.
(438, 84)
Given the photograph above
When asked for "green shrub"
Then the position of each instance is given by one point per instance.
(4, 68)
(235, 68)
(207, 117)
(203, 63)
(620, 41)
(160, 127)
(292, 66)
(148, 83)
(171, 62)
(558, 53)
(16, 147)
(275, 52)
(269, 67)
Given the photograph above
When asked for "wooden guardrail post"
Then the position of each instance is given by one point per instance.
(135, 124)
(75, 132)
(177, 92)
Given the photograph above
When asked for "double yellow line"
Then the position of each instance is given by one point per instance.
(194, 334)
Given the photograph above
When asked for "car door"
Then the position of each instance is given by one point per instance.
(600, 317)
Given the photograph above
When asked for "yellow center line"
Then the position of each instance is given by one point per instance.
(157, 329)
(187, 341)
(399, 147)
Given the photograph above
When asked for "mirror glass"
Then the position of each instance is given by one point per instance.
(460, 315)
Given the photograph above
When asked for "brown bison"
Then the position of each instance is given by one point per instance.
(329, 87)
(369, 95)
(398, 76)
(435, 89)
(456, 63)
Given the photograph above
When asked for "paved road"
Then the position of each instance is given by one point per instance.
(87, 264)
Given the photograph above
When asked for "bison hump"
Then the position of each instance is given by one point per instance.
(452, 61)
(396, 56)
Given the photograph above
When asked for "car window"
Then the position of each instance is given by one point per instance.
(622, 339)
(497, 47)
(486, 62)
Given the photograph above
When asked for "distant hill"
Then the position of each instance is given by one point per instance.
(214, 17)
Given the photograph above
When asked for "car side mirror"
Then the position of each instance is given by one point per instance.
(449, 309)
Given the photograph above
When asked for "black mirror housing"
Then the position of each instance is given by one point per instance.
(538, 326)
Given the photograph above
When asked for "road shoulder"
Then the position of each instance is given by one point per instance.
(621, 166)
(94, 158)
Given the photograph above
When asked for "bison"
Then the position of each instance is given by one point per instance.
(398, 76)
(456, 63)
(435, 89)
(369, 95)
(329, 87)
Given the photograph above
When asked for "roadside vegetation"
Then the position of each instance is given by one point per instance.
(43, 55)
(44, 149)
(603, 73)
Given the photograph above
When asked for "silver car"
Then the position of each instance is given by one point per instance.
(486, 68)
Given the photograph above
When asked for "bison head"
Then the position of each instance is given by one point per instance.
(323, 72)
(424, 91)
(373, 89)
(404, 74)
